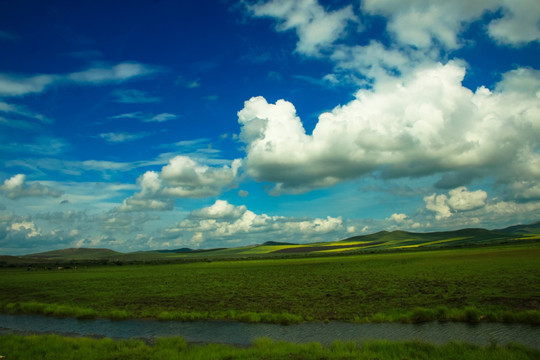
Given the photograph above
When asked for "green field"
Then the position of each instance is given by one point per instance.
(58, 348)
(500, 283)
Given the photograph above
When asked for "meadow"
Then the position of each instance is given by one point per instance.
(55, 347)
(500, 283)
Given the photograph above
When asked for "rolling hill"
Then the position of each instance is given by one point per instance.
(381, 241)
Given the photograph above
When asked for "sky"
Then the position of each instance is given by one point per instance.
(164, 124)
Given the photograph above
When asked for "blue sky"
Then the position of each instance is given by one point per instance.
(169, 124)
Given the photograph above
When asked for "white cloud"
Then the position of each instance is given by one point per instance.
(16, 187)
(421, 124)
(402, 221)
(116, 73)
(27, 227)
(120, 137)
(221, 209)
(224, 222)
(20, 85)
(316, 28)
(363, 64)
(438, 204)
(398, 217)
(132, 96)
(133, 115)
(188, 178)
(140, 204)
(144, 117)
(161, 117)
(460, 199)
(22, 111)
(519, 24)
(424, 24)
(182, 177)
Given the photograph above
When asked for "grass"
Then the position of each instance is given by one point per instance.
(55, 347)
(480, 284)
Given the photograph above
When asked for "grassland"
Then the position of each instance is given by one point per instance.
(57, 348)
(499, 283)
(383, 241)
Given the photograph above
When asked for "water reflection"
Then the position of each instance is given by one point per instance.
(244, 334)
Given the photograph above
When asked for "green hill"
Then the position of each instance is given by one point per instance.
(75, 254)
(381, 241)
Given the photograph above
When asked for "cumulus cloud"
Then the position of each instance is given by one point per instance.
(363, 64)
(424, 24)
(421, 23)
(459, 199)
(28, 228)
(401, 221)
(182, 177)
(188, 178)
(221, 209)
(438, 204)
(316, 28)
(518, 24)
(421, 124)
(223, 221)
(16, 187)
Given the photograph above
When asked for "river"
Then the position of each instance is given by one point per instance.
(238, 333)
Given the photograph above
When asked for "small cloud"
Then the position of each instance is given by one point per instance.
(189, 84)
(221, 209)
(193, 84)
(16, 187)
(106, 74)
(211, 97)
(161, 117)
(133, 115)
(132, 96)
(274, 75)
(243, 193)
(398, 217)
(120, 137)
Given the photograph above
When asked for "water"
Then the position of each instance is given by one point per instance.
(238, 333)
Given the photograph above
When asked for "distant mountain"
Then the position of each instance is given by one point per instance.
(381, 241)
(277, 243)
(75, 254)
(522, 229)
(182, 250)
